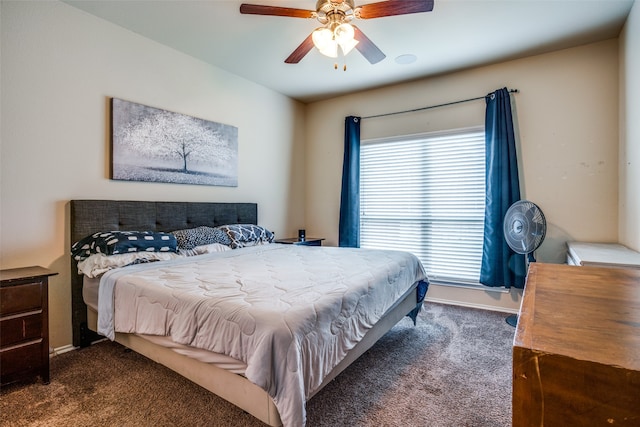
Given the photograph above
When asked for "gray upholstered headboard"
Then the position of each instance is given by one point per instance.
(89, 216)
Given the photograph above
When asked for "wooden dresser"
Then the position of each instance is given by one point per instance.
(576, 352)
(24, 324)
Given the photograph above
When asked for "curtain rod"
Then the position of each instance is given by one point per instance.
(431, 106)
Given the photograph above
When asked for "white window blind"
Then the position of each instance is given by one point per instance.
(426, 194)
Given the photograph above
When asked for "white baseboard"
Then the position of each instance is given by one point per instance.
(472, 305)
(60, 350)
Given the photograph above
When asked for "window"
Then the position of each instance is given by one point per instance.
(426, 194)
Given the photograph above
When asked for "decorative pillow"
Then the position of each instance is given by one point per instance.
(191, 237)
(97, 264)
(120, 242)
(243, 235)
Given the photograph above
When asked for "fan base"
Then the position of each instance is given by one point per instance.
(512, 320)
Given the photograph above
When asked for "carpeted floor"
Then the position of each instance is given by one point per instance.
(452, 369)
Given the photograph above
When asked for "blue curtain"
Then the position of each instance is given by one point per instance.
(349, 232)
(501, 266)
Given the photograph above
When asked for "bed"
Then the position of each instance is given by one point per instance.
(219, 366)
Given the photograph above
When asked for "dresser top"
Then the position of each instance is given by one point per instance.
(14, 274)
(585, 313)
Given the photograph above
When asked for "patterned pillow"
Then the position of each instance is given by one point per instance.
(121, 242)
(191, 237)
(243, 235)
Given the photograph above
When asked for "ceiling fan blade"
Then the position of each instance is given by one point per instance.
(367, 48)
(394, 7)
(256, 9)
(300, 52)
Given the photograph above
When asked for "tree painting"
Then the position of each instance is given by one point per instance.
(149, 144)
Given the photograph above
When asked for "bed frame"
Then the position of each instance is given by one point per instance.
(89, 216)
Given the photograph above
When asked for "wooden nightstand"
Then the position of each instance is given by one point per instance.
(24, 324)
(309, 241)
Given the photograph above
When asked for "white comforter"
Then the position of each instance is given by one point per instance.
(291, 313)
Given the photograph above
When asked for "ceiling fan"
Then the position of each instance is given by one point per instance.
(337, 32)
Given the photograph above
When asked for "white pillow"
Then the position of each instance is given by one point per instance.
(97, 264)
(204, 249)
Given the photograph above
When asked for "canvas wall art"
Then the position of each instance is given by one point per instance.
(154, 145)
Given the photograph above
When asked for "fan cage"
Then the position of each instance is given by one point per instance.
(524, 227)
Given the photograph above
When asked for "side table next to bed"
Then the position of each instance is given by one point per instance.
(24, 324)
(309, 241)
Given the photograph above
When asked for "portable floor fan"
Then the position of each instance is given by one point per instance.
(524, 230)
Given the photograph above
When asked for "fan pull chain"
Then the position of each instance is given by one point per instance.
(344, 67)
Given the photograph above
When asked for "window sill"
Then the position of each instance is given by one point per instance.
(476, 286)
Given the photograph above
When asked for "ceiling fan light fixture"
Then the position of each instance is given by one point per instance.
(347, 46)
(322, 37)
(325, 40)
(328, 40)
(326, 45)
(344, 33)
(330, 50)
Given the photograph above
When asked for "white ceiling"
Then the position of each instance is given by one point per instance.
(457, 34)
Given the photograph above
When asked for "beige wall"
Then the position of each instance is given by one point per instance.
(567, 118)
(59, 68)
(629, 233)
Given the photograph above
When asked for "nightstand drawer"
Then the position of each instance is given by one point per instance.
(17, 329)
(21, 298)
(24, 324)
(18, 361)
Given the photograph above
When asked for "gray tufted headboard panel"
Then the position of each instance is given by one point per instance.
(89, 216)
